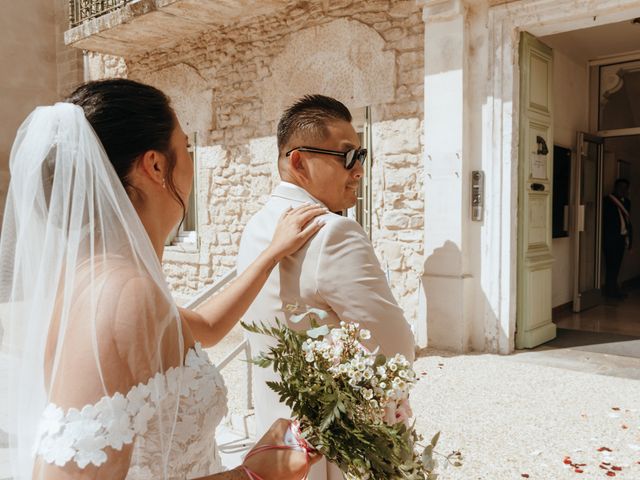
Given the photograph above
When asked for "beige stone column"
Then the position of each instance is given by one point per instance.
(447, 283)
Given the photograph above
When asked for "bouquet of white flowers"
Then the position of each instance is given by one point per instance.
(352, 404)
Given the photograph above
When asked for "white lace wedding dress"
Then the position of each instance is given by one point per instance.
(81, 436)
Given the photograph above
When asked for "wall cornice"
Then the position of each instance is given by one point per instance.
(441, 10)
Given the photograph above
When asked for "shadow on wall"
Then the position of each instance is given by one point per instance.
(443, 289)
(460, 317)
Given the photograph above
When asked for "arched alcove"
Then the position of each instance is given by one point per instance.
(344, 59)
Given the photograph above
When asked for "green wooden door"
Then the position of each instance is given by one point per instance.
(535, 166)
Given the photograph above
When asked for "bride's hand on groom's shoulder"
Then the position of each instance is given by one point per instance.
(279, 464)
(295, 227)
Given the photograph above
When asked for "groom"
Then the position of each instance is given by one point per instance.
(319, 161)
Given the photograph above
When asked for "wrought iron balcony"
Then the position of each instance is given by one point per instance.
(131, 27)
(83, 10)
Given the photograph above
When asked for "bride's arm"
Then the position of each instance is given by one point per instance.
(230, 475)
(213, 320)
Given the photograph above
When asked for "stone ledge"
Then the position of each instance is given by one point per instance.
(181, 254)
(145, 25)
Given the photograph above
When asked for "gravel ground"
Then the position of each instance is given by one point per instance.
(510, 417)
(235, 373)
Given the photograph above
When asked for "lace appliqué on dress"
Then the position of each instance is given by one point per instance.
(83, 435)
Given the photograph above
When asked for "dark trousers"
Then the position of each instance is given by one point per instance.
(613, 253)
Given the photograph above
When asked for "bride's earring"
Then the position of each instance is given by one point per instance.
(164, 183)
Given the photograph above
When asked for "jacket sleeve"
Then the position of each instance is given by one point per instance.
(350, 280)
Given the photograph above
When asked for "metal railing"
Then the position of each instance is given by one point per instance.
(243, 346)
(83, 10)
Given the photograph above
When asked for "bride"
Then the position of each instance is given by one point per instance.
(109, 379)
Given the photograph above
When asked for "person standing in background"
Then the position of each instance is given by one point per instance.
(617, 235)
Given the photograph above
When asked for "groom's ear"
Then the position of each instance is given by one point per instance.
(297, 167)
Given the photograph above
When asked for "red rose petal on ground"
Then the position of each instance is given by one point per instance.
(617, 469)
(525, 475)
(615, 409)
(624, 427)
(611, 474)
(579, 470)
(567, 461)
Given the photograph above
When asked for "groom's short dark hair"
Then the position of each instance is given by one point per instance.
(308, 117)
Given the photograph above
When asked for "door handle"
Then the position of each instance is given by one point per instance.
(581, 218)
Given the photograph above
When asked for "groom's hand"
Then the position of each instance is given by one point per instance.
(279, 464)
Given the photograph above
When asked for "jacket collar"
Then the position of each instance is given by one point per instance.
(290, 191)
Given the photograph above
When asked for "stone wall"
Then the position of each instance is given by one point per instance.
(231, 84)
(69, 61)
(36, 63)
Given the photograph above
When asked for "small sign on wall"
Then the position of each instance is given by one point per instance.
(539, 166)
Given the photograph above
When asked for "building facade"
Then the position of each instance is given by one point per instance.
(230, 84)
(462, 103)
(40, 67)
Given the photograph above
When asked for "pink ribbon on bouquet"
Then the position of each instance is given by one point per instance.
(300, 445)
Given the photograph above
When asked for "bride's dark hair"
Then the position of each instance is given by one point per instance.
(130, 118)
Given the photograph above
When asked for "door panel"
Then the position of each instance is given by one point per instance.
(535, 159)
(586, 227)
(538, 216)
(539, 284)
(540, 92)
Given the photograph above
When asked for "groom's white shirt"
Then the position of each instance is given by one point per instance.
(336, 271)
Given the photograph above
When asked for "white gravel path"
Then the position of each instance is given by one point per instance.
(511, 415)
(511, 418)
(514, 415)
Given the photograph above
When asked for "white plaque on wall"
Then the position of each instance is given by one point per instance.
(538, 166)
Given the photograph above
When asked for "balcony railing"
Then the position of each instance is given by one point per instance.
(128, 28)
(83, 10)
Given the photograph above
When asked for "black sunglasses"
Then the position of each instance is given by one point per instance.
(350, 156)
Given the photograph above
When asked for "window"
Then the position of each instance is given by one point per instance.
(186, 237)
(619, 100)
(361, 212)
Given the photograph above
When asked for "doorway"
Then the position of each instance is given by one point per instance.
(597, 105)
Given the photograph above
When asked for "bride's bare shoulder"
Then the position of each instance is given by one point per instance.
(123, 292)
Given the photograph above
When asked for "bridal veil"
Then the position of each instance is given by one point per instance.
(88, 313)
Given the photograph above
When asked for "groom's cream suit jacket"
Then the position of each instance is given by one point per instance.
(336, 271)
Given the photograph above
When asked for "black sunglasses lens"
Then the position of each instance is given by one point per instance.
(349, 159)
(352, 156)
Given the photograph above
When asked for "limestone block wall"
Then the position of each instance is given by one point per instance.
(231, 84)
